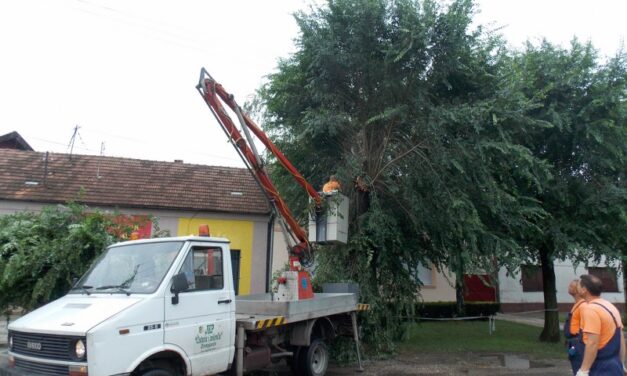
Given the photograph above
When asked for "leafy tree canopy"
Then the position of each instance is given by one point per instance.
(584, 144)
(407, 103)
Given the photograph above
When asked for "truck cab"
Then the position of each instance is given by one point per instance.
(146, 307)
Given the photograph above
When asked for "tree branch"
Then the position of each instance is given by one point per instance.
(403, 155)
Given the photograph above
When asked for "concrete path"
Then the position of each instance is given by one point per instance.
(520, 319)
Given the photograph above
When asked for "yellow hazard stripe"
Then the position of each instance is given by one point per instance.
(363, 307)
(268, 323)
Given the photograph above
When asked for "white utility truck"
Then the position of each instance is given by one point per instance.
(167, 307)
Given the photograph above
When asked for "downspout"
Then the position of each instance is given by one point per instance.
(269, 253)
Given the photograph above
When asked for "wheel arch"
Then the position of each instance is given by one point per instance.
(171, 354)
(303, 333)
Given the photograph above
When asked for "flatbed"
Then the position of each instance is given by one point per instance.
(259, 311)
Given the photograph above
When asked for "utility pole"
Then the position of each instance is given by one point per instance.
(71, 145)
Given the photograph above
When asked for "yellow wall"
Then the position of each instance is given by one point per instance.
(240, 233)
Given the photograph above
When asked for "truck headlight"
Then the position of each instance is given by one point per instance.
(79, 348)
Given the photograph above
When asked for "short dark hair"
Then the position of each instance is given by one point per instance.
(592, 283)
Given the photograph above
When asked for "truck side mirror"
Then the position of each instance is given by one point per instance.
(179, 284)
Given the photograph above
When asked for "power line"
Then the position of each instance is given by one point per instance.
(153, 145)
(57, 143)
(147, 24)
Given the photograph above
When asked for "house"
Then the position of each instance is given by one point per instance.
(523, 291)
(439, 286)
(181, 196)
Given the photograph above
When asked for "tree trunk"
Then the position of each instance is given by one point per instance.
(551, 331)
(362, 206)
(460, 304)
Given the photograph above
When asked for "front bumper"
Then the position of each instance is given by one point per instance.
(24, 365)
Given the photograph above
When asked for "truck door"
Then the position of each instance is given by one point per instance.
(203, 321)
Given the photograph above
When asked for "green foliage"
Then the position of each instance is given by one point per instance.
(41, 253)
(581, 101)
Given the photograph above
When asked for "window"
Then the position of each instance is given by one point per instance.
(136, 268)
(607, 276)
(531, 278)
(425, 275)
(203, 268)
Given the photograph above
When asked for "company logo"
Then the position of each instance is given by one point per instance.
(33, 345)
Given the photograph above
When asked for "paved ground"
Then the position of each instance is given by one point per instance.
(521, 319)
(470, 364)
(434, 365)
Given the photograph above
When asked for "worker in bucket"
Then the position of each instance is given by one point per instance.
(572, 325)
(601, 332)
(332, 185)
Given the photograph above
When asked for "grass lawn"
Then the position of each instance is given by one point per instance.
(473, 336)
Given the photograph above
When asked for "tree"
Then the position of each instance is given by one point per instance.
(406, 104)
(582, 103)
(42, 253)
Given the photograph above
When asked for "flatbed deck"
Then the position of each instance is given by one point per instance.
(259, 312)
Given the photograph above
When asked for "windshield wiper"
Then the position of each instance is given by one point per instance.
(85, 288)
(120, 288)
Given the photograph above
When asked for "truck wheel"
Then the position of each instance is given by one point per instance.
(314, 359)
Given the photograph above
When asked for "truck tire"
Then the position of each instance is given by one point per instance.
(157, 372)
(294, 362)
(314, 359)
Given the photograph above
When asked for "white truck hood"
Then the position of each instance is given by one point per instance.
(73, 314)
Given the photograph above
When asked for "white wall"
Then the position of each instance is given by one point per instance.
(441, 289)
(511, 286)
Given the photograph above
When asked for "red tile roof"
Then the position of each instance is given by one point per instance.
(123, 182)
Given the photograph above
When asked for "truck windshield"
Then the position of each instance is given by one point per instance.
(129, 269)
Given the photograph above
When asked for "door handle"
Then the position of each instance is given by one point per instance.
(224, 301)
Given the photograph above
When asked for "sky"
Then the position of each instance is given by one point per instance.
(125, 71)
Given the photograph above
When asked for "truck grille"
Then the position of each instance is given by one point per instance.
(33, 368)
(45, 345)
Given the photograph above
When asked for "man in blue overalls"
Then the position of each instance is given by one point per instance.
(572, 327)
(601, 333)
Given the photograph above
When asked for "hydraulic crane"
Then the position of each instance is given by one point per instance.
(299, 247)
